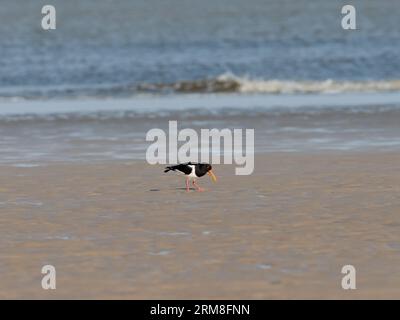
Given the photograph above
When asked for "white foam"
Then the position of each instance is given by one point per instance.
(247, 85)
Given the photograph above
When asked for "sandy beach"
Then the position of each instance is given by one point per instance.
(126, 230)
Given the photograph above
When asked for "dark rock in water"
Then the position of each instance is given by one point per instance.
(213, 85)
(196, 86)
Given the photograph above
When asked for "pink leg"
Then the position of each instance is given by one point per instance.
(187, 184)
(197, 186)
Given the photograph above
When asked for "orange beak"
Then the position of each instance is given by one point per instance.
(213, 177)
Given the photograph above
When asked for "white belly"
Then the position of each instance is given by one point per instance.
(192, 174)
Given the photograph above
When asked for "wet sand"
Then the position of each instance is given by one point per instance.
(126, 230)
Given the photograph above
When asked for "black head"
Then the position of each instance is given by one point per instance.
(202, 169)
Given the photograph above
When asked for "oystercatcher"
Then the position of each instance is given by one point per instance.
(193, 171)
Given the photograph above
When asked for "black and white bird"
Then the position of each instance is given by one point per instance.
(193, 171)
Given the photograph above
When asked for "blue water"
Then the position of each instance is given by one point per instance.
(117, 48)
(113, 70)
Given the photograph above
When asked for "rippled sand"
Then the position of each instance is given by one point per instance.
(126, 230)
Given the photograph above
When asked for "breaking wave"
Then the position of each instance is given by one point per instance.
(225, 83)
(231, 83)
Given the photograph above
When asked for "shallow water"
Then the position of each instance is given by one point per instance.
(43, 132)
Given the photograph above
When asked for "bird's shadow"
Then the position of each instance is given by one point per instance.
(155, 190)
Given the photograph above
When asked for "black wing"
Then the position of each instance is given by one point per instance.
(184, 168)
